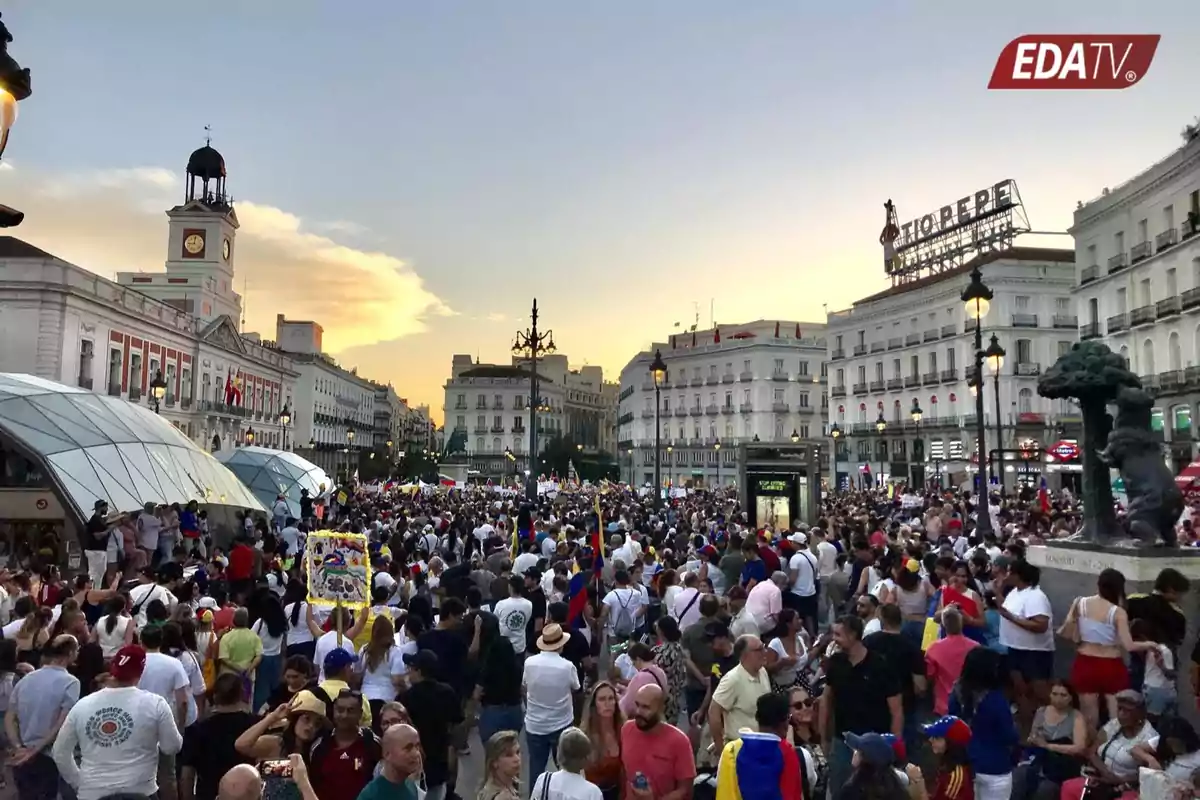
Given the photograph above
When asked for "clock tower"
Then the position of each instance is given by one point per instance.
(201, 245)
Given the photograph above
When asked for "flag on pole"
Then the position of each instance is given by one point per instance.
(598, 540)
(1044, 496)
(776, 330)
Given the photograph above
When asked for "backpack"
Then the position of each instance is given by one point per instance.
(623, 624)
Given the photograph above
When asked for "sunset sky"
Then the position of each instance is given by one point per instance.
(412, 174)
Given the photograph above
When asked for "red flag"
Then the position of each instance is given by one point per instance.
(776, 330)
(797, 330)
(716, 335)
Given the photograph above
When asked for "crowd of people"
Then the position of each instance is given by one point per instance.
(594, 644)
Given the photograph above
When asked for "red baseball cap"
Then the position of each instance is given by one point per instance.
(128, 663)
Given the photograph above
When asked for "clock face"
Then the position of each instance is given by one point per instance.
(225, 249)
(193, 243)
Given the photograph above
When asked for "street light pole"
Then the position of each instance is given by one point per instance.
(835, 432)
(531, 344)
(14, 87)
(658, 370)
(916, 414)
(995, 357)
(285, 417)
(158, 390)
(977, 298)
(880, 428)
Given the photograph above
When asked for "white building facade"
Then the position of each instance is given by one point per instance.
(1138, 287)
(761, 380)
(911, 346)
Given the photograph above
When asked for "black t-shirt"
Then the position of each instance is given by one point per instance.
(576, 650)
(861, 692)
(97, 533)
(456, 580)
(451, 651)
(720, 668)
(904, 659)
(1167, 620)
(538, 598)
(500, 675)
(89, 665)
(435, 708)
(208, 748)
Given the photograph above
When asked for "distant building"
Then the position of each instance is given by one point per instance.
(762, 380)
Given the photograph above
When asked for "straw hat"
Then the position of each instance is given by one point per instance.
(553, 638)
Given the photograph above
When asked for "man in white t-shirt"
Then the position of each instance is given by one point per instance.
(686, 607)
(802, 578)
(1027, 629)
(484, 532)
(290, 533)
(624, 600)
(514, 614)
(549, 682)
(120, 732)
(164, 676)
(142, 595)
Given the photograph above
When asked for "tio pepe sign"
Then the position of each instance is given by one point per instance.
(950, 218)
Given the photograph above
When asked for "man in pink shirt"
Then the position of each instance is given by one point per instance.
(765, 600)
(944, 659)
(656, 756)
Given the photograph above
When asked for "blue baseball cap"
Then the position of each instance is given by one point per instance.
(950, 728)
(338, 659)
(874, 748)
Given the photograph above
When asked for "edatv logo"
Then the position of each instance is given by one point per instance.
(1070, 61)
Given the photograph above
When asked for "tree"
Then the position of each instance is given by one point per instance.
(1093, 375)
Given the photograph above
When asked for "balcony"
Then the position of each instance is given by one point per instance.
(949, 330)
(497, 429)
(1089, 274)
(1027, 369)
(746, 377)
(1168, 238)
(1149, 383)
(712, 380)
(860, 388)
(1190, 299)
(1171, 381)
(878, 347)
(1117, 263)
(681, 412)
(970, 325)
(185, 403)
(895, 384)
(878, 386)
(837, 355)
(1139, 252)
(1117, 323)
(838, 391)
(169, 401)
(1024, 320)
(911, 339)
(1090, 330)
(728, 377)
(499, 405)
(860, 349)
(1141, 316)
(1168, 307)
(912, 381)
(780, 376)
(1189, 228)
(895, 343)
(135, 394)
(931, 378)
(746, 408)
(1031, 418)
(519, 430)
(480, 429)
(780, 408)
(481, 405)
(1065, 321)
(696, 411)
(697, 381)
(949, 375)
(1191, 376)
(648, 385)
(680, 382)
(931, 336)
(711, 410)
(647, 413)
(727, 409)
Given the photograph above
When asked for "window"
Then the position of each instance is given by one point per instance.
(712, 370)
(518, 402)
(1024, 351)
(86, 351)
(481, 401)
(696, 401)
(1119, 242)
(497, 421)
(135, 373)
(950, 359)
(712, 398)
(1063, 349)
(154, 369)
(803, 430)
(497, 402)
(1062, 305)
(778, 429)
(460, 422)
(914, 365)
(170, 380)
(746, 396)
(933, 361)
(460, 401)
(114, 371)
(729, 399)
(1025, 401)
(1143, 231)
(1122, 300)
(480, 422)
(878, 370)
(804, 399)
(666, 405)
(746, 365)
(862, 373)
(841, 377)
(1091, 251)
(778, 365)
(1022, 303)
(1172, 283)
(803, 368)
(778, 396)
(1144, 292)
(479, 445)
(495, 445)
(896, 368)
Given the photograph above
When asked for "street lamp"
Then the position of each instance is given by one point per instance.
(977, 298)
(835, 432)
(915, 413)
(14, 87)
(579, 447)
(880, 427)
(532, 344)
(658, 369)
(995, 358)
(795, 436)
(717, 449)
(285, 418)
(249, 436)
(158, 389)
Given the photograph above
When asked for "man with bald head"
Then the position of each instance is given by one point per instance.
(243, 781)
(401, 764)
(656, 756)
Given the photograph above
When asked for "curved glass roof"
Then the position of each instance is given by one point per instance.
(98, 447)
(270, 473)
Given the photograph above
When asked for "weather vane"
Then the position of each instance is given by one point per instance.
(207, 135)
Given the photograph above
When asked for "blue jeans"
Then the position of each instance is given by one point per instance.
(840, 768)
(493, 719)
(542, 746)
(266, 678)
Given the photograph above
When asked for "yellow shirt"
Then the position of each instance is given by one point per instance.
(239, 647)
(333, 688)
(737, 694)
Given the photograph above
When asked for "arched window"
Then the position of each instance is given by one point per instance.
(1125, 355)
(1025, 401)
(496, 448)
(1147, 365)
(479, 445)
(1174, 356)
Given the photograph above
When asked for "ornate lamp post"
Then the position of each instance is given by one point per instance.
(977, 300)
(881, 428)
(285, 418)
(915, 413)
(249, 436)
(14, 87)
(835, 432)
(717, 449)
(995, 358)
(158, 390)
(658, 369)
(795, 436)
(531, 344)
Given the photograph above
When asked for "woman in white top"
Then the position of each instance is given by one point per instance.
(786, 649)
(300, 641)
(567, 783)
(115, 628)
(380, 665)
(179, 641)
(272, 628)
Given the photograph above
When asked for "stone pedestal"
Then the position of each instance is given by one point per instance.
(1070, 569)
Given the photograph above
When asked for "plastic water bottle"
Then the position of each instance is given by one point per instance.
(641, 782)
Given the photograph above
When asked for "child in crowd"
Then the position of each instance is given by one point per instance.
(1158, 682)
(948, 739)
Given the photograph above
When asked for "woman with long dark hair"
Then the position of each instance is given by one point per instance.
(874, 775)
(272, 628)
(300, 641)
(979, 700)
(115, 629)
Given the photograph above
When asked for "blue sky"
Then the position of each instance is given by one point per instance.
(621, 160)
